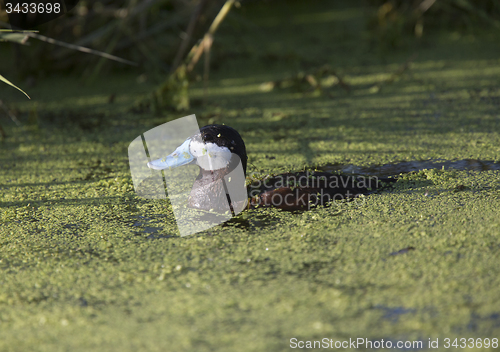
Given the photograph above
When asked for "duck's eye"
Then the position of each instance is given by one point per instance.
(218, 135)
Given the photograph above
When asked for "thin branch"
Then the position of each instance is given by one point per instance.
(9, 113)
(81, 49)
(73, 46)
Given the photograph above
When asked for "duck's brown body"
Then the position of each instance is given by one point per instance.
(303, 190)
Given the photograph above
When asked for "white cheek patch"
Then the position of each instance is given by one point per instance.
(210, 156)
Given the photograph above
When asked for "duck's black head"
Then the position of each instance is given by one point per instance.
(224, 137)
(211, 149)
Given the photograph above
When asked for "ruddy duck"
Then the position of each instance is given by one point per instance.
(219, 149)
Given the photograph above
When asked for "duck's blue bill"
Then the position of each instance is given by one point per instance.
(181, 156)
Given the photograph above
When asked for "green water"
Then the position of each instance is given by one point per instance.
(86, 265)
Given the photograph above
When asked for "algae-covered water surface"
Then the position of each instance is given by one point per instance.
(87, 265)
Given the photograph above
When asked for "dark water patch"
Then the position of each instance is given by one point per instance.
(237, 221)
(82, 302)
(263, 221)
(145, 226)
(150, 229)
(410, 166)
(74, 229)
(476, 320)
(403, 251)
(394, 313)
(142, 220)
(158, 236)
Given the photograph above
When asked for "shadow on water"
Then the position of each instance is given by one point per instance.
(409, 166)
(256, 221)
